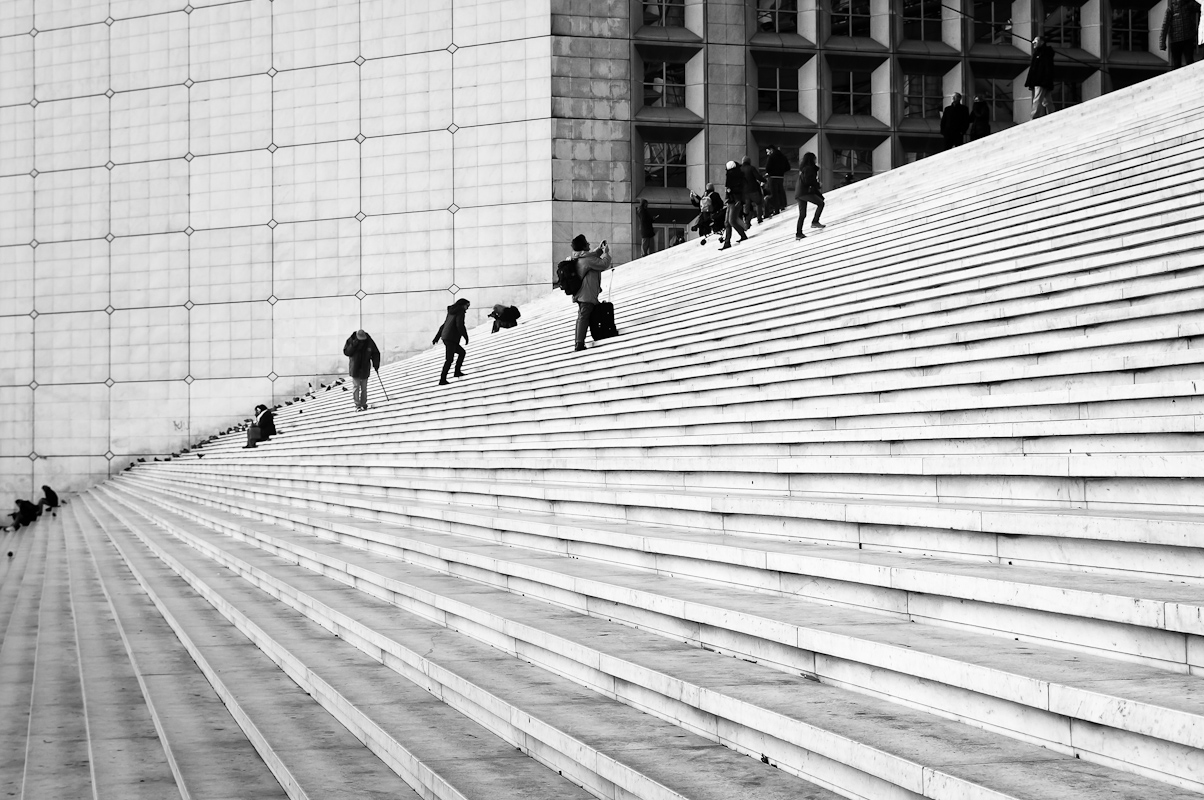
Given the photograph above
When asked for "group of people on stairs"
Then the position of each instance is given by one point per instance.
(28, 512)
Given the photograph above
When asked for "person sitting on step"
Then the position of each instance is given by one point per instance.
(50, 500)
(263, 428)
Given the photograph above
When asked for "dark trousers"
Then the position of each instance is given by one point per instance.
(733, 221)
(802, 210)
(584, 310)
(453, 350)
(777, 194)
(1182, 53)
(754, 201)
(953, 140)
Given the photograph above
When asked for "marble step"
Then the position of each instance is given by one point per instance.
(327, 718)
(612, 658)
(592, 740)
(1145, 620)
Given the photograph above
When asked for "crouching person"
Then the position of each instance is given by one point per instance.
(590, 266)
(262, 428)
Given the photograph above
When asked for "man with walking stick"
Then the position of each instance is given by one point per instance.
(363, 356)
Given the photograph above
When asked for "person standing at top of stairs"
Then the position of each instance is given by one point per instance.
(1179, 27)
(955, 120)
(980, 119)
(754, 200)
(647, 230)
(776, 167)
(808, 190)
(451, 331)
(735, 198)
(1040, 76)
(590, 266)
(363, 356)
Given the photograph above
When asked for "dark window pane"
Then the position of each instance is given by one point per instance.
(665, 13)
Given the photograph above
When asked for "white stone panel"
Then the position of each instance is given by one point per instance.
(507, 163)
(63, 13)
(149, 51)
(16, 210)
(72, 205)
(404, 322)
(16, 418)
(72, 62)
(230, 265)
(407, 252)
(230, 189)
(308, 335)
(149, 197)
(308, 33)
(487, 21)
(69, 134)
(495, 245)
(16, 69)
(230, 115)
(61, 471)
(149, 124)
(122, 9)
(230, 40)
(407, 94)
(411, 172)
(395, 27)
(16, 351)
(16, 16)
(317, 104)
(16, 265)
(71, 276)
(148, 417)
(17, 139)
(503, 82)
(316, 259)
(149, 271)
(230, 340)
(316, 181)
(71, 348)
(148, 344)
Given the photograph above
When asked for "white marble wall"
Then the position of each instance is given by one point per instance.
(199, 201)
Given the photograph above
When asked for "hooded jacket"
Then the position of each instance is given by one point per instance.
(453, 329)
(808, 182)
(362, 356)
(590, 266)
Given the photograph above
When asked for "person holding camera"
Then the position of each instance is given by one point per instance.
(590, 266)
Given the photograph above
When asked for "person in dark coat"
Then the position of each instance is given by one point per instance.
(50, 499)
(590, 266)
(647, 230)
(776, 167)
(262, 428)
(735, 199)
(980, 119)
(754, 200)
(504, 316)
(954, 122)
(808, 190)
(1179, 27)
(27, 512)
(1041, 77)
(363, 356)
(451, 332)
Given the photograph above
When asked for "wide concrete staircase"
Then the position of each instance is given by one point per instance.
(912, 508)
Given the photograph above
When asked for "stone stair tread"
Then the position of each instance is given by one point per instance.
(868, 721)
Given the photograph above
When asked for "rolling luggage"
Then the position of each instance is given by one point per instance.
(602, 322)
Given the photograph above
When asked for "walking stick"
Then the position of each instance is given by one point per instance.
(382, 386)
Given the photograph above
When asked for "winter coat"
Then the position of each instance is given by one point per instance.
(808, 182)
(590, 266)
(735, 184)
(1180, 22)
(362, 356)
(1041, 68)
(645, 217)
(955, 120)
(777, 165)
(267, 424)
(980, 120)
(50, 498)
(752, 178)
(453, 329)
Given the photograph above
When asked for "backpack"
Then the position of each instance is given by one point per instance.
(567, 277)
(706, 206)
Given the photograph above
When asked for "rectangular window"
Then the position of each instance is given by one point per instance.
(993, 21)
(777, 16)
(997, 94)
(851, 92)
(664, 85)
(777, 89)
(1064, 27)
(1130, 29)
(1066, 94)
(922, 96)
(664, 164)
(851, 18)
(922, 20)
(665, 13)
(858, 163)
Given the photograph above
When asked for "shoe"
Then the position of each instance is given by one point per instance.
(703, 241)
(578, 348)
(799, 236)
(457, 374)
(443, 381)
(248, 447)
(726, 246)
(742, 237)
(817, 226)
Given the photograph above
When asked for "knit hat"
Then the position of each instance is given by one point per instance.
(580, 242)
(731, 165)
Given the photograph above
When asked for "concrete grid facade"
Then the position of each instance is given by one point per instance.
(199, 201)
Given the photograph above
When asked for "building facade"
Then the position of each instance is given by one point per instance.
(200, 200)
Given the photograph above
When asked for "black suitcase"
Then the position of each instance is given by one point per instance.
(602, 322)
